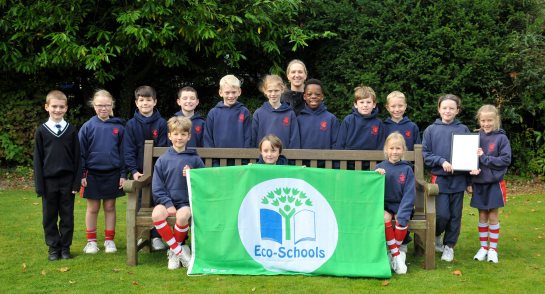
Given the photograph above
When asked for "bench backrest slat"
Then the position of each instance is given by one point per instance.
(311, 157)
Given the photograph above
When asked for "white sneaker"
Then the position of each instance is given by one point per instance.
(109, 246)
(448, 253)
(157, 244)
(91, 248)
(402, 256)
(403, 248)
(185, 256)
(493, 256)
(481, 254)
(173, 261)
(391, 261)
(400, 266)
(439, 244)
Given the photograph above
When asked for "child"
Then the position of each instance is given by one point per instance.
(228, 124)
(188, 101)
(57, 175)
(436, 149)
(399, 196)
(169, 189)
(270, 151)
(362, 130)
(318, 127)
(275, 117)
(396, 104)
(103, 163)
(487, 182)
(297, 74)
(147, 124)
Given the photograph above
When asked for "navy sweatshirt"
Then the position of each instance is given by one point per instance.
(281, 122)
(294, 99)
(101, 145)
(197, 129)
(358, 132)
(436, 149)
(56, 155)
(139, 129)
(169, 186)
(400, 189)
(405, 127)
(496, 158)
(318, 128)
(228, 127)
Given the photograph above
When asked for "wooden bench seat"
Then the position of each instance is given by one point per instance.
(422, 224)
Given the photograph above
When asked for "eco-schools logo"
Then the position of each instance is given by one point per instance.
(287, 225)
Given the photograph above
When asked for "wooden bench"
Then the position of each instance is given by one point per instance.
(422, 224)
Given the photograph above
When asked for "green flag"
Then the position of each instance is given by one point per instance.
(270, 220)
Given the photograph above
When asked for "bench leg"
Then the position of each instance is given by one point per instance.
(429, 250)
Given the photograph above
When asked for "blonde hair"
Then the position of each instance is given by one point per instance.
(229, 80)
(57, 95)
(393, 137)
(179, 123)
(296, 61)
(275, 142)
(491, 109)
(364, 92)
(269, 80)
(395, 94)
(103, 93)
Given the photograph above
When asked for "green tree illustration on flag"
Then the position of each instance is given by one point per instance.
(287, 200)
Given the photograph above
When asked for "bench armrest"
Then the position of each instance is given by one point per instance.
(134, 185)
(428, 191)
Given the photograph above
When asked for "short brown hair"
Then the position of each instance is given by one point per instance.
(179, 123)
(55, 94)
(187, 89)
(364, 92)
(275, 142)
(145, 91)
(452, 97)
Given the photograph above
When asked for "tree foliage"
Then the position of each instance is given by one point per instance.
(487, 51)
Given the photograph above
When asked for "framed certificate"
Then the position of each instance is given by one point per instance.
(464, 152)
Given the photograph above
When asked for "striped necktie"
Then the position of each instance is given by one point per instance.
(58, 126)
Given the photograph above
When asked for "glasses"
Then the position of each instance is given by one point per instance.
(103, 106)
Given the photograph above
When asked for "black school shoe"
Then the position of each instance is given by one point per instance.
(53, 254)
(65, 253)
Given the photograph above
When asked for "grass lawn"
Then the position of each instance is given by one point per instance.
(24, 266)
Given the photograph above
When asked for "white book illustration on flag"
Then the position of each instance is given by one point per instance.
(304, 226)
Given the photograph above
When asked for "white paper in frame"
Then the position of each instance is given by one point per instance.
(464, 152)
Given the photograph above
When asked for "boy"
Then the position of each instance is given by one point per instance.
(318, 127)
(228, 124)
(396, 104)
(57, 175)
(188, 101)
(362, 129)
(170, 192)
(147, 124)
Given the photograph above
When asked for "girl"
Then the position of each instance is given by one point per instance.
(436, 149)
(487, 182)
(275, 117)
(104, 168)
(296, 74)
(270, 149)
(399, 197)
